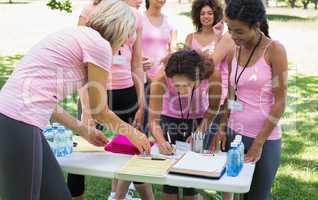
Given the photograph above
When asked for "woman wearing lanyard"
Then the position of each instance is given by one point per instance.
(125, 98)
(207, 17)
(257, 92)
(57, 66)
(183, 100)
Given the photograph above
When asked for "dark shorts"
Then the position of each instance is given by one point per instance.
(28, 167)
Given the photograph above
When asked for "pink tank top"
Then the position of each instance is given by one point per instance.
(255, 91)
(222, 67)
(121, 76)
(199, 103)
(155, 42)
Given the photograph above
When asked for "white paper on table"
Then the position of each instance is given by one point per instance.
(202, 162)
(156, 153)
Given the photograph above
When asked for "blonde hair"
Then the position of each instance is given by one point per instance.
(114, 20)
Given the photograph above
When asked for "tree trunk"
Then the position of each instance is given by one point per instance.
(292, 3)
(316, 5)
(305, 4)
(10, 1)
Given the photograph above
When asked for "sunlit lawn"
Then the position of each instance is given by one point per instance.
(297, 178)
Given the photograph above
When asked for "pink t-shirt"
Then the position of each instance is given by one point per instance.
(155, 42)
(51, 70)
(121, 75)
(255, 91)
(199, 104)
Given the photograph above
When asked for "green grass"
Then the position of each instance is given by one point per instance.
(297, 177)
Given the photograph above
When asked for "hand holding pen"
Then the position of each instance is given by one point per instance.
(166, 147)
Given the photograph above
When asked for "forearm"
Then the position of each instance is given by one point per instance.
(208, 118)
(156, 130)
(63, 117)
(271, 122)
(112, 122)
(225, 113)
(137, 70)
(83, 95)
(139, 85)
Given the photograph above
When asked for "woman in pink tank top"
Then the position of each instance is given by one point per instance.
(55, 67)
(257, 92)
(183, 100)
(125, 98)
(158, 37)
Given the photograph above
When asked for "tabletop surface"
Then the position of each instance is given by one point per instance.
(106, 164)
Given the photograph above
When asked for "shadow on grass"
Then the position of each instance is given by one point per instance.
(274, 17)
(289, 188)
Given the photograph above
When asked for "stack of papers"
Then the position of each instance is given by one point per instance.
(142, 166)
(84, 146)
(203, 165)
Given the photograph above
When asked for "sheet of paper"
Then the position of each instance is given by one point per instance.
(155, 152)
(146, 167)
(84, 146)
(202, 162)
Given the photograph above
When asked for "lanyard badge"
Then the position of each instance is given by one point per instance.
(236, 104)
(119, 59)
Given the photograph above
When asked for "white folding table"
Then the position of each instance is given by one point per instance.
(106, 165)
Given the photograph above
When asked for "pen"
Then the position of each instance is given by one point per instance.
(168, 136)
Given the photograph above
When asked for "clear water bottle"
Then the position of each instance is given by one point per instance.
(238, 139)
(69, 139)
(233, 160)
(60, 142)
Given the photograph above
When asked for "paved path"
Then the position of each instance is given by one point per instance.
(22, 25)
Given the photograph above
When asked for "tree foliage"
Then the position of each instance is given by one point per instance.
(62, 5)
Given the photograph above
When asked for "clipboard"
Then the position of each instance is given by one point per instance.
(200, 165)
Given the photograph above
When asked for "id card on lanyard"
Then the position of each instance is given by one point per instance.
(119, 59)
(237, 105)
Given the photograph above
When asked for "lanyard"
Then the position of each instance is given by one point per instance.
(237, 79)
(180, 105)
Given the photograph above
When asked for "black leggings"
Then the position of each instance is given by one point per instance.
(265, 168)
(124, 104)
(177, 128)
(28, 168)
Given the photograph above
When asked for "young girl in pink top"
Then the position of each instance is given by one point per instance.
(55, 67)
(183, 100)
(257, 92)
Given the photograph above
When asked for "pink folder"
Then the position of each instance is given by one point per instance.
(121, 144)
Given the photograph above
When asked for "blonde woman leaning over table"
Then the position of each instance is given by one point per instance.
(73, 57)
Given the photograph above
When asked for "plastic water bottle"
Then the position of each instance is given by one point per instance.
(60, 142)
(233, 161)
(69, 139)
(238, 139)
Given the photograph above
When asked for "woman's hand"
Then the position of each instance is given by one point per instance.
(139, 118)
(141, 141)
(95, 137)
(165, 148)
(255, 152)
(220, 136)
(147, 63)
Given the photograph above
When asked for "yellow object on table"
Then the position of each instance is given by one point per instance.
(142, 166)
(84, 146)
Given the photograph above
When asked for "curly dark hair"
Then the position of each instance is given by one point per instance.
(189, 63)
(196, 10)
(251, 12)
